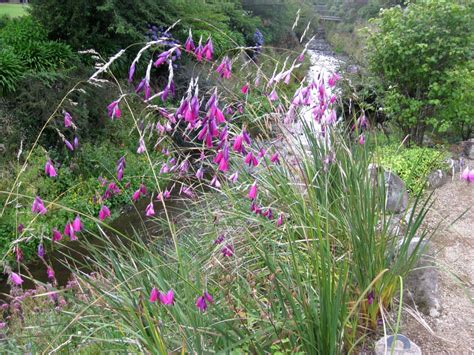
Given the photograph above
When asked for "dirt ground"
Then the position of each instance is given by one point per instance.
(453, 249)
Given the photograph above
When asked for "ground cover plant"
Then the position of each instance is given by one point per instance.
(281, 243)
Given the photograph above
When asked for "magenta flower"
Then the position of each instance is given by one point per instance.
(67, 119)
(198, 51)
(16, 279)
(219, 239)
(20, 228)
(41, 251)
(208, 49)
(49, 169)
(201, 301)
(225, 68)
(150, 211)
(104, 213)
(273, 95)
(250, 159)
(50, 273)
(162, 58)
(57, 236)
(361, 139)
(333, 79)
(154, 294)
(301, 57)
(275, 158)
(468, 175)
(279, 220)
(253, 191)
(38, 206)
(189, 44)
(77, 224)
(166, 298)
(238, 147)
(227, 250)
(69, 231)
(113, 110)
(136, 195)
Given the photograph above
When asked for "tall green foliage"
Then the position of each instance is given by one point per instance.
(107, 25)
(413, 51)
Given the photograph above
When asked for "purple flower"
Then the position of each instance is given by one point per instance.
(154, 294)
(20, 228)
(227, 250)
(16, 279)
(131, 71)
(67, 119)
(49, 169)
(370, 297)
(68, 145)
(201, 301)
(38, 206)
(208, 49)
(50, 273)
(219, 239)
(253, 191)
(275, 158)
(113, 110)
(280, 220)
(150, 210)
(104, 213)
(77, 224)
(250, 159)
(245, 89)
(40, 251)
(273, 95)
(189, 44)
(57, 236)
(168, 298)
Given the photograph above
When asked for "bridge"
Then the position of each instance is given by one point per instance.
(324, 14)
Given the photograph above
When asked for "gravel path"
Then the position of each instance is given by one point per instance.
(453, 249)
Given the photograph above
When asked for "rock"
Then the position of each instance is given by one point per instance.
(437, 179)
(469, 148)
(422, 283)
(397, 195)
(455, 165)
(403, 345)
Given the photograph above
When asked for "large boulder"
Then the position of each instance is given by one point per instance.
(396, 191)
(437, 178)
(469, 148)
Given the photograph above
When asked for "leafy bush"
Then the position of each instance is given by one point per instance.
(11, 70)
(413, 49)
(411, 164)
(28, 40)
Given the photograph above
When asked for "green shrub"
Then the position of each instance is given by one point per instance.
(10, 70)
(413, 50)
(411, 164)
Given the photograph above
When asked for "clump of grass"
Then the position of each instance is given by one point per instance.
(307, 265)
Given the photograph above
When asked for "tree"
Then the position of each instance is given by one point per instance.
(413, 50)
